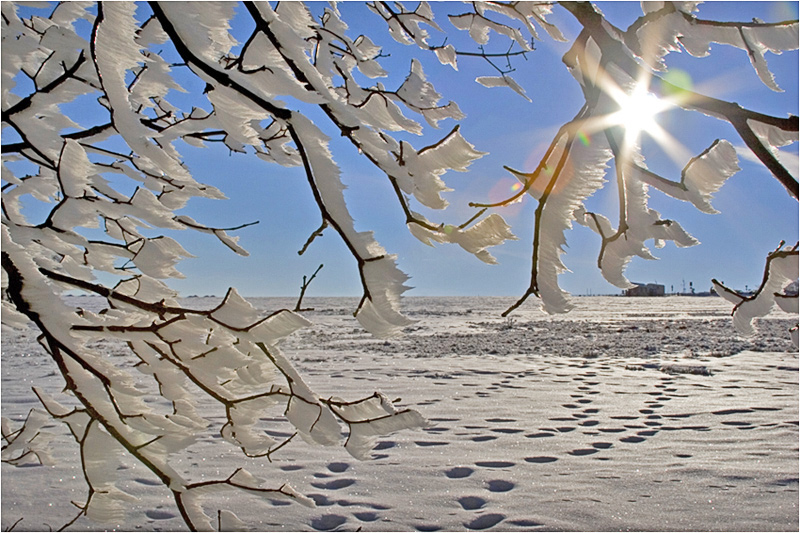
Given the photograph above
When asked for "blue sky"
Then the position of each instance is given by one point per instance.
(756, 211)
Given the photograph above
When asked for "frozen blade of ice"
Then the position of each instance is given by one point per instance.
(642, 225)
(241, 426)
(423, 168)
(583, 177)
(453, 152)
(756, 50)
(491, 231)
(772, 136)
(204, 26)
(74, 169)
(447, 56)
(788, 304)
(502, 81)
(417, 90)
(157, 257)
(372, 417)
(364, 434)
(191, 499)
(235, 311)
(379, 313)
(703, 176)
(278, 326)
(313, 420)
(297, 16)
(479, 28)
(781, 269)
(22, 441)
(303, 500)
(119, 52)
(13, 318)
(228, 521)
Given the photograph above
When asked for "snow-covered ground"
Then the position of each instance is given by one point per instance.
(625, 414)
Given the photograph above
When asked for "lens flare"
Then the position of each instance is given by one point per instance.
(783, 11)
(679, 81)
(504, 189)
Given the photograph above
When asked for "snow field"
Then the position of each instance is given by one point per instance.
(645, 414)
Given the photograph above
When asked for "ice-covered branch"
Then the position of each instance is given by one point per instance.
(94, 178)
(615, 46)
(605, 61)
(780, 270)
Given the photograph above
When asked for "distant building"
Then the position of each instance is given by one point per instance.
(649, 289)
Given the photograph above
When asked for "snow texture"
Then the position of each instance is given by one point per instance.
(660, 392)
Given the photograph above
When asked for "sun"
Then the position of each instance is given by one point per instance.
(638, 112)
(633, 111)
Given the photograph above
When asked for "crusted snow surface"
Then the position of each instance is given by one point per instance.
(626, 413)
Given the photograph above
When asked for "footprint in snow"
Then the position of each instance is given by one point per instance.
(494, 464)
(338, 467)
(336, 484)
(458, 472)
(328, 522)
(541, 435)
(367, 516)
(524, 522)
(506, 430)
(159, 514)
(485, 521)
(633, 440)
(427, 527)
(470, 503)
(542, 459)
(150, 482)
(499, 485)
(583, 451)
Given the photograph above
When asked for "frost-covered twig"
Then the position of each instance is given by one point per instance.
(781, 268)
(604, 60)
(303, 287)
